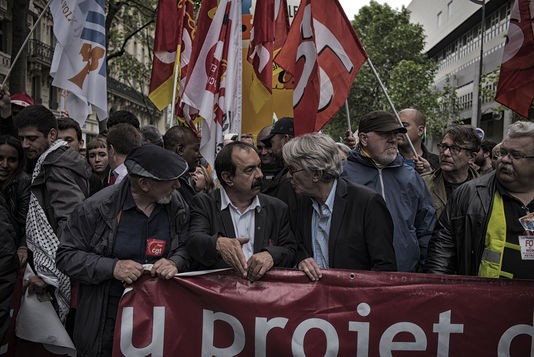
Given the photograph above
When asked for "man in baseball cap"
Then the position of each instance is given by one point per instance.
(377, 164)
(142, 220)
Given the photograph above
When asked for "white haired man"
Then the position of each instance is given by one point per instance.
(327, 237)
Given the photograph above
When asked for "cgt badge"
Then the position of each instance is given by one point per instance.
(155, 247)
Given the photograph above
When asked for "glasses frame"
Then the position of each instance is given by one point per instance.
(453, 149)
(293, 171)
(514, 155)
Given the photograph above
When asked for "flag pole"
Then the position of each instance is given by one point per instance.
(348, 115)
(390, 102)
(174, 87)
(25, 42)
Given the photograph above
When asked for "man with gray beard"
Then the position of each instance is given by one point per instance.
(108, 238)
(377, 164)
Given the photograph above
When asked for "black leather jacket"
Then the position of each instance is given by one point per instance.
(457, 245)
(17, 198)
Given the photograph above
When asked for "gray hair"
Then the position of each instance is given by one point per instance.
(521, 129)
(314, 152)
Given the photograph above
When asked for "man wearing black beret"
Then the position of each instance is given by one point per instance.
(142, 220)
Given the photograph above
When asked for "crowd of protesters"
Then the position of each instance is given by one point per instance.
(140, 200)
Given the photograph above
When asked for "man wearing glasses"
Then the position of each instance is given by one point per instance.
(457, 151)
(377, 164)
(487, 229)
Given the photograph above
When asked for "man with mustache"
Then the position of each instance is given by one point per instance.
(377, 164)
(142, 220)
(236, 225)
(457, 152)
(485, 230)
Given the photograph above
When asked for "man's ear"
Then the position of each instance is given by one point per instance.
(227, 178)
(420, 131)
(144, 184)
(111, 150)
(179, 149)
(81, 143)
(472, 157)
(364, 139)
(317, 175)
(52, 135)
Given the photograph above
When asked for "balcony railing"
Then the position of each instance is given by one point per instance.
(40, 52)
(5, 62)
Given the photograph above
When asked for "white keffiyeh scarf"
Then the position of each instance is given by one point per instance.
(43, 242)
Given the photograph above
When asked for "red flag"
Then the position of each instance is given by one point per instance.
(172, 48)
(260, 51)
(269, 32)
(516, 80)
(324, 54)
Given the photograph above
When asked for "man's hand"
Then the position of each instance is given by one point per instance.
(310, 267)
(164, 268)
(259, 264)
(422, 165)
(35, 285)
(230, 250)
(22, 253)
(127, 271)
(349, 139)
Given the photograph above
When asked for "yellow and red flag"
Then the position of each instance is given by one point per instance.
(175, 25)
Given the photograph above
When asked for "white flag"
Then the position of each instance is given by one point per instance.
(214, 80)
(79, 63)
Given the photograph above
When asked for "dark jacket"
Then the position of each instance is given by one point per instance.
(85, 254)
(458, 243)
(9, 265)
(96, 183)
(61, 185)
(361, 230)
(407, 199)
(17, 198)
(436, 185)
(272, 232)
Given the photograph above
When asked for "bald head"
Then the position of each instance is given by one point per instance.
(414, 121)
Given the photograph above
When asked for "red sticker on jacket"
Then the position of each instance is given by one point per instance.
(155, 247)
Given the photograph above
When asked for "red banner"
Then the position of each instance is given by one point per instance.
(346, 313)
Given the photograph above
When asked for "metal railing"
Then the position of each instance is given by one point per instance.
(40, 52)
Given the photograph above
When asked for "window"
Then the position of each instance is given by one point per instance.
(449, 9)
(440, 19)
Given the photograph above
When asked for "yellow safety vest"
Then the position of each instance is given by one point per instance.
(491, 263)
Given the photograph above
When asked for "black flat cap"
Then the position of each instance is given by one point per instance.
(155, 162)
(282, 126)
(380, 121)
